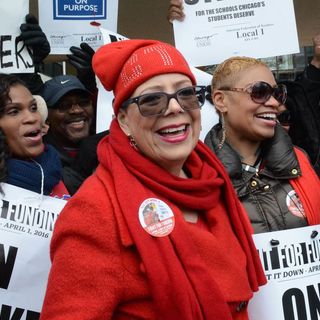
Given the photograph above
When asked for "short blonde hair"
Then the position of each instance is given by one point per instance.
(228, 72)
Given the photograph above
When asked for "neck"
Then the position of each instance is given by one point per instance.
(248, 150)
(316, 62)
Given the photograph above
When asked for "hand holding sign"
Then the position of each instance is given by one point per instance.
(81, 58)
(33, 37)
(175, 11)
(215, 30)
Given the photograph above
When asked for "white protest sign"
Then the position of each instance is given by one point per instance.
(104, 103)
(209, 116)
(292, 268)
(69, 22)
(26, 224)
(104, 99)
(214, 30)
(15, 57)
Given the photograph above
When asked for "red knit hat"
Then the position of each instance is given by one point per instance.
(122, 66)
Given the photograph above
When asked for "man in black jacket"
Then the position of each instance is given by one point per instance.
(71, 113)
(304, 105)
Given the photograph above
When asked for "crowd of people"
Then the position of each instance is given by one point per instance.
(156, 218)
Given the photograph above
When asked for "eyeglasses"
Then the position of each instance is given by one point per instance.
(67, 105)
(260, 92)
(156, 103)
(284, 118)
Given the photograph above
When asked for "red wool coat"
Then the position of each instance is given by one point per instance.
(97, 272)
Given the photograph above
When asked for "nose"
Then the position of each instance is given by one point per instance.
(173, 106)
(31, 117)
(273, 102)
(75, 108)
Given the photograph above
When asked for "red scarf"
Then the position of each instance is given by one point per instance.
(180, 284)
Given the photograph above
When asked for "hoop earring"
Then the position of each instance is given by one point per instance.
(223, 132)
(132, 142)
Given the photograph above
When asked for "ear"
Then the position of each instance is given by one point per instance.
(219, 100)
(123, 121)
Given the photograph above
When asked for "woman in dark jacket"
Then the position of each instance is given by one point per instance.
(274, 181)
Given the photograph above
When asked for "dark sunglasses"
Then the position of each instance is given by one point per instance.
(284, 118)
(261, 92)
(156, 103)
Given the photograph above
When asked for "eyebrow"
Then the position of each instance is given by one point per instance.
(19, 103)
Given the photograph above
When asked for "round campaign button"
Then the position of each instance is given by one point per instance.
(156, 217)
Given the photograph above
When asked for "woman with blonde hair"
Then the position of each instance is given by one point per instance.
(273, 179)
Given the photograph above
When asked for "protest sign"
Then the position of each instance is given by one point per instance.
(209, 116)
(292, 266)
(15, 57)
(69, 22)
(26, 223)
(214, 30)
(104, 103)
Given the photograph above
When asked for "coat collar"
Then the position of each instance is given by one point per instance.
(278, 157)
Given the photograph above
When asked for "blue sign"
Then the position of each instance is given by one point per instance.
(79, 9)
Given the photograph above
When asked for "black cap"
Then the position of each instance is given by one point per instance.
(57, 87)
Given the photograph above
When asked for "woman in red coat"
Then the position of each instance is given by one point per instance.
(157, 231)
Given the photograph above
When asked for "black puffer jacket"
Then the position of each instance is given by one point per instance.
(266, 194)
(71, 178)
(76, 170)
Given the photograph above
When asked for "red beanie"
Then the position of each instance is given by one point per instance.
(122, 66)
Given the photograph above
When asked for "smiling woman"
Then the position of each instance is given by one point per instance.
(158, 224)
(273, 179)
(31, 165)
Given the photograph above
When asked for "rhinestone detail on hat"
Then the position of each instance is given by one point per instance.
(135, 72)
(167, 61)
(135, 69)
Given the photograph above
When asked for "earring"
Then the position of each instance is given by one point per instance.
(132, 142)
(223, 132)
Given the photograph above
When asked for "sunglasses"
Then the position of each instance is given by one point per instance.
(284, 118)
(260, 92)
(156, 103)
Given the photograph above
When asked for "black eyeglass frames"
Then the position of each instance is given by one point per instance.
(156, 103)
